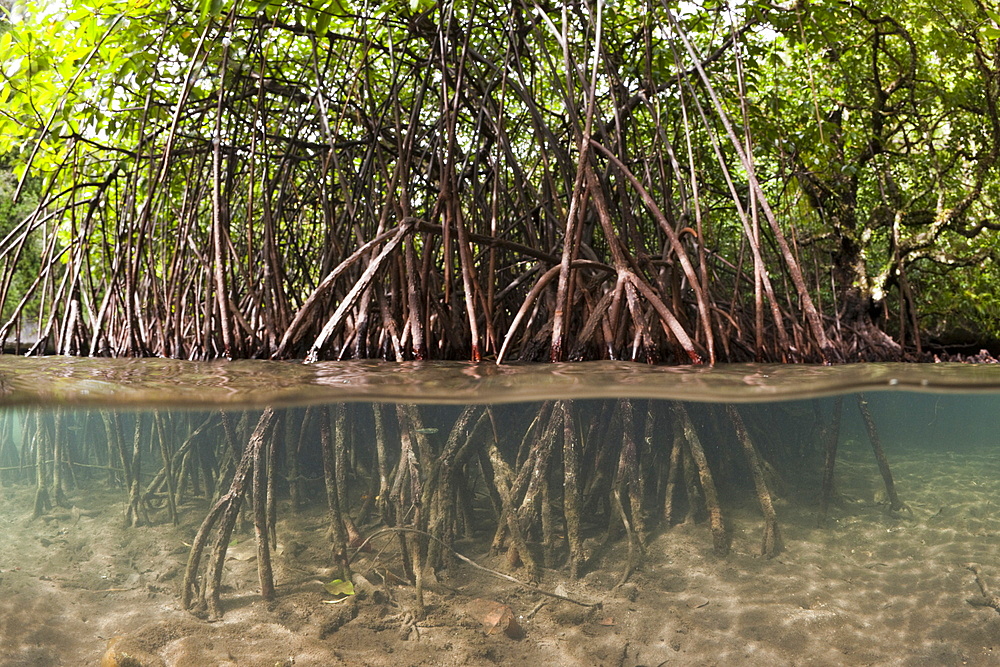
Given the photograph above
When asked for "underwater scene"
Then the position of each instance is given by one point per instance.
(162, 513)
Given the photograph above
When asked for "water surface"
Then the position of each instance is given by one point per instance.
(168, 382)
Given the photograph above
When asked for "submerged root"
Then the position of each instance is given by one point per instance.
(571, 491)
(771, 544)
(42, 502)
(225, 512)
(989, 599)
(883, 463)
(720, 536)
(538, 477)
(468, 561)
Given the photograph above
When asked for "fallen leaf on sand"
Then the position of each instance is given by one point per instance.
(339, 587)
(697, 601)
(609, 620)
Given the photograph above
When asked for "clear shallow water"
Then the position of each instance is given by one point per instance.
(600, 464)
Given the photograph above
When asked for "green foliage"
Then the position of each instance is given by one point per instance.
(882, 114)
(29, 259)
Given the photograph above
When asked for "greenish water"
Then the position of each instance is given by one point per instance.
(598, 476)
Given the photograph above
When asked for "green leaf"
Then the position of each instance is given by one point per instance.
(209, 8)
(339, 587)
(323, 24)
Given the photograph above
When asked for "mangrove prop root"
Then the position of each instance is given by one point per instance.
(674, 469)
(720, 537)
(136, 515)
(463, 458)
(832, 436)
(989, 599)
(418, 578)
(340, 467)
(58, 441)
(408, 469)
(519, 551)
(112, 428)
(271, 519)
(883, 463)
(537, 464)
(262, 479)
(382, 499)
(696, 504)
(548, 526)
(42, 501)
(227, 511)
(571, 490)
(632, 558)
(481, 568)
(632, 474)
(440, 483)
(627, 475)
(596, 455)
(422, 452)
(338, 530)
(771, 543)
(168, 471)
(197, 549)
(647, 454)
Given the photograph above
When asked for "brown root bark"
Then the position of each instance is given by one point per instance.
(338, 528)
(720, 536)
(771, 543)
(225, 513)
(517, 551)
(674, 471)
(883, 463)
(571, 489)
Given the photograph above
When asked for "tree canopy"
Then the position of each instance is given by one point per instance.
(702, 181)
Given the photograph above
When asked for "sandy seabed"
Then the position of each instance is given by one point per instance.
(867, 588)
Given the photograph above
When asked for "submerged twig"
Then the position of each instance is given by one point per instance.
(989, 599)
(482, 568)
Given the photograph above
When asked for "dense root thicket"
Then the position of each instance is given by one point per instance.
(551, 485)
(465, 182)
